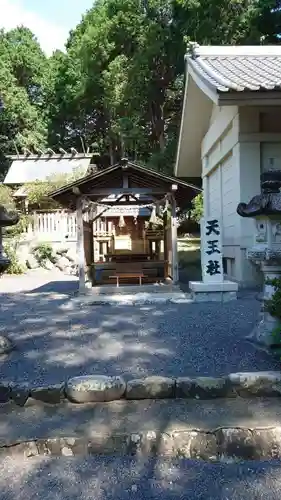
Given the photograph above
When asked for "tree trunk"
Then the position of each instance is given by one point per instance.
(157, 120)
(111, 154)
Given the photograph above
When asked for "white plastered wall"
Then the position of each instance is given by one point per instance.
(239, 144)
(220, 172)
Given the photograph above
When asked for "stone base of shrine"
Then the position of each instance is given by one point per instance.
(223, 291)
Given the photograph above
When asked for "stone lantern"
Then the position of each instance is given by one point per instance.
(6, 219)
(265, 208)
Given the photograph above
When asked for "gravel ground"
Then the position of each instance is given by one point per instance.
(177, 339)
(42, 421)
(105, 478)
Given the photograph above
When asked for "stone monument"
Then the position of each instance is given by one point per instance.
(265, 208)
(213, 286)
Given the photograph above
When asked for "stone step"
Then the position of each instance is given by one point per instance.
(130, 289)
(134, 298)
(220, 429)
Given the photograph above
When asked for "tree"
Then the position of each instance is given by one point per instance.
(22, 79)
(37, 192)
(121, 83)
(197, 211)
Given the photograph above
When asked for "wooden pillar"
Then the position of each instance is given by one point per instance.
(80, 246)
(166, 257)
(174, 241)
(1, 242)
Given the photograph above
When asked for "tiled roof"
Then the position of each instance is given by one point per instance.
(237, 68)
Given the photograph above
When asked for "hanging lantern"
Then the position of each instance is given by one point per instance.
(153, 218)
(121, 221)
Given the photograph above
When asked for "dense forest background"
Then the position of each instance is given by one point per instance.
(118, 87)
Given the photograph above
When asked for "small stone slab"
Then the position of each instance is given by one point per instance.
(151, 388)
(52, 394)
(5, 391)
(19, 393)
(203, 388)
(268, 442)
(6, 345)
(236, 444)
(192, 444)
(95, 388)
(256, 384)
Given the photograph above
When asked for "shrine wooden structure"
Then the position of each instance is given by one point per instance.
(126, 184)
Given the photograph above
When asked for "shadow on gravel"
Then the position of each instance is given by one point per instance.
(109, 478)
(67, 287)
(55, 341)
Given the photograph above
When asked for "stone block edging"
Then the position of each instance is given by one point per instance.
(218, 445)
(102, 388)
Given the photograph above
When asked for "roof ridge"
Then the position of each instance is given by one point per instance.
(195, 50)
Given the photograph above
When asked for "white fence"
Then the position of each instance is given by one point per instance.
(60, 225)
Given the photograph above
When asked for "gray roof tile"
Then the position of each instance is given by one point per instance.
(238, 68)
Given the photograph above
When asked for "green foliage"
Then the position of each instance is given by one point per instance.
(23, 122)
(37, 192)
(273, 306)
(21, 227)
(197, 211)
(15, 267)
(120, 82)
(44, 252)
(6, 198)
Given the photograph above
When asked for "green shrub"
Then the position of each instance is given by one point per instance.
(6, 198)
(273, 306)
(38, 191)
(44, 252)
(20, 227)
(197, 211)
(15, 266)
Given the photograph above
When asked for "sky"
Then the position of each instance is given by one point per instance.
(49, 20)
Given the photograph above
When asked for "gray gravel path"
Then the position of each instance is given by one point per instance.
(105, 478)
(191, 339)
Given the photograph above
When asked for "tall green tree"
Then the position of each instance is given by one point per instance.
(121, 82)
(23, 119)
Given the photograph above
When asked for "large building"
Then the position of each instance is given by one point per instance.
(230, 134)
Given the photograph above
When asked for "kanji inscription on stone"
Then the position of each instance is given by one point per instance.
(212, 246)
(211, 250)
(213, 267)
(212, 227)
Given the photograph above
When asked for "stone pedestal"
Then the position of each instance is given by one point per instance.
(262, 332)
(213, 292)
